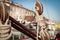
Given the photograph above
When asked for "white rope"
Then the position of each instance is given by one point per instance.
(4, 33)
(37, 20)
(37, 32)
(4, 29)
(46, 9)
(7, 37)
(37, 29)
(49, 19)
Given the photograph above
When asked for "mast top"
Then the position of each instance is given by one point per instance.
(39, 7)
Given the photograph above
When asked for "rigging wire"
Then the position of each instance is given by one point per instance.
(50, 22)
(47, 9)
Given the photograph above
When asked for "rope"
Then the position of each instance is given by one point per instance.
(4, 34)
(48, 14)
(37, 28)
(46, 9)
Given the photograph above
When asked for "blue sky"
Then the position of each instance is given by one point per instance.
(51, 8)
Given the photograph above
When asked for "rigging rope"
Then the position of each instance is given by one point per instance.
(48, 15)
(37, 28)
(46, 9)
(5, 29)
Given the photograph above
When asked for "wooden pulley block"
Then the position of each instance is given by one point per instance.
(39, 8)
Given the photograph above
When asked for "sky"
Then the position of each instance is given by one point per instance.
(51, 8)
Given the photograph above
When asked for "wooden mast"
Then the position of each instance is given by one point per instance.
(39, 11)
